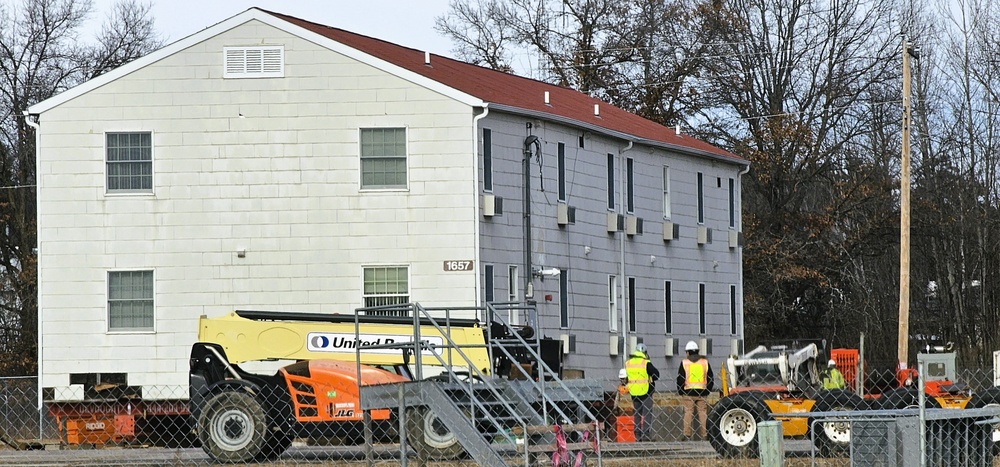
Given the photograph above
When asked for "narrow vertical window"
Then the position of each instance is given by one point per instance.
(732, 203)
(488, 287)
(611, 182)
(564, 299)
(666, 192)
(702, 326)
(487, 159)
(613, 303)
(701, 199)
(668, 314)
(732, 309)
(562, 171)
(631, 304)
(629, 186)
(513, 294)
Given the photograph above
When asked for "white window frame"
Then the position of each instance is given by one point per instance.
(151, 299)
(666, 192)
(265, 61)
(488, 160)
(612, 303)
(405, 157)
(513, 293)
(394, 297)
(142, 163)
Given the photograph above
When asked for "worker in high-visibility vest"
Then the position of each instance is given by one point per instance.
(832, 377)
(642, 376)
(694, 383)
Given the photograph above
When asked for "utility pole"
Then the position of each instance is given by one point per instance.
(904, 216)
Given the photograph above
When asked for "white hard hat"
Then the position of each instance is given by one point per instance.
(622, 373)
(691, 345)
(832, 362)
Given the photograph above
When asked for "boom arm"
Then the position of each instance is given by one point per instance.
(254, 335)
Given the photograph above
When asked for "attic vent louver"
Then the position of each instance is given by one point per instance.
(254, 62)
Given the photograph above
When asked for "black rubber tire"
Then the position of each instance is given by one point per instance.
(429, 436)
(732, 425)
(232, 427)
(833, 438)
(988, 398)
(903, 398)
(275, 445)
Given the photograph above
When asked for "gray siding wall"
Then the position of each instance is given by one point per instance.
(590, 254)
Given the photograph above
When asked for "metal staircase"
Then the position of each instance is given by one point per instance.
(496, 419)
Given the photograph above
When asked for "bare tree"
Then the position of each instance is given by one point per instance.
(41, 54)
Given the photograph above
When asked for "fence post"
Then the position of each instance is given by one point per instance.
(772, 453)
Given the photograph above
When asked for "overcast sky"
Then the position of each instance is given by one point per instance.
(405, 22)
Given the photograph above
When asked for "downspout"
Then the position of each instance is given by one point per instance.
(476, 242)
(38, 263)
(623, 281)
(739, 249)
(529, 141)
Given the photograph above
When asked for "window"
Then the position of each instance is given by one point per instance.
(611, 182)
(130, 301)
(513, 294)
(701, 199)
(732, 203)
(386, 286)
(383, 158)
(668, 313)
(631, 303)
(487, 159)
(562, 171)
(488, 287)
(563, 299)
(732, 309)
(702, 327)
(666, 192)
(254, 62)
(129, 162)
(629, 191)
(613, 303)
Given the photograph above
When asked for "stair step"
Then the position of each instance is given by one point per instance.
(542, 429)
(589, 447)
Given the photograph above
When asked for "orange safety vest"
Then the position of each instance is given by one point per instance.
(638, 378)
(695, 374)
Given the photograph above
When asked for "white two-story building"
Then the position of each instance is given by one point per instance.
(272, 163)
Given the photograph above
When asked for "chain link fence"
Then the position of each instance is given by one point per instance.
(286, 425)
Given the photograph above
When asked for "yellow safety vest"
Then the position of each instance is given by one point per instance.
(833, 379)
(638, 378)
(695, 372)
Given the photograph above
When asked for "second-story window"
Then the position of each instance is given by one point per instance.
(129, 162)
(629, 186)
(701, 199)
(487, 159)
(732, 203)
(383, 158)
(611, 182)
(561, 161)
(666, 192)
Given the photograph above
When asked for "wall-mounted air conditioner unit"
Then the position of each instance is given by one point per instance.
(705, 346)
(734, 239)
(671, 231)
(616, 222)
(565, 343)
(492, 205)
(735, 346)
(670, 347)
(565, 214)
(633, 225)
(704, 235)
(613, 345)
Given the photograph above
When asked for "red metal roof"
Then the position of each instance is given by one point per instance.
(510, 90)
